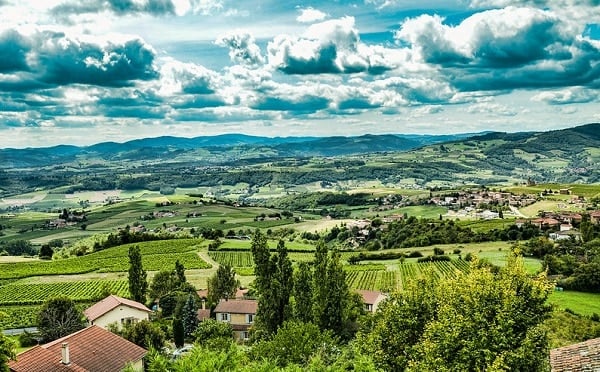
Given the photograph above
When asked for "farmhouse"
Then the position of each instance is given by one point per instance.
(583, 356)
(117, 310)
(240, 314)
(91, 349)
(371, 299)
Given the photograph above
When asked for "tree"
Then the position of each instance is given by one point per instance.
(319, 301)
(145, 334)
(46, 252)
(59, 317)
(303, 293)
(7, 349)
(178, 332)
(213, 334)
(295, 342)
(189, 315)
(274, 283)
(137, 275)
(180, 272)
(162, 283)
(222, 285)
(480, 320)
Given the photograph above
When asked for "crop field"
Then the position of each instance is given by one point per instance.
(86, 290)
(579, 302)
(156, 255)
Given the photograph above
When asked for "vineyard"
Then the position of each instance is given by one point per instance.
(88, 290)
(156, 255)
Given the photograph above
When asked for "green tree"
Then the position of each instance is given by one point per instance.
(46, 251)
(162, 283)
(303, 293)
(295, 343)
(59, 317)
(180, 272)
(178, 332)
(481, 320)
(138, 284)
(335, 314)
(320, 285)
(222, 285)
(274, 283)
(189, 315)
(7, 349)
(145, 334)
(213, 334)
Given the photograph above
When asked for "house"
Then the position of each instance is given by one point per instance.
(92, 349)
(240, 314)
(371, 299)
(595, 217)
(115, 309)
(583, 356)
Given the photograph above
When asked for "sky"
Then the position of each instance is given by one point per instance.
(87, 71)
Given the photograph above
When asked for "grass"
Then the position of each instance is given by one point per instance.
(579, 302)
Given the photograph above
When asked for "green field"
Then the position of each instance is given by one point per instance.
(579, 302)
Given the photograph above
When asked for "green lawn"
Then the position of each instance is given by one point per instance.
(580, 302)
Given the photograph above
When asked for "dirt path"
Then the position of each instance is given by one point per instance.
(206, 257)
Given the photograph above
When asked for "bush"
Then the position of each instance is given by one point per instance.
(433, 258)
(438, 251)
(27, 340)
(415, 254)
(456, 251)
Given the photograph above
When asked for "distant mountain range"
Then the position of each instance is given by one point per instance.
(204, 148)
(571, 154)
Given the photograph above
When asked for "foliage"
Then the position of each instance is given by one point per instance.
(162, 283)
(18, 248)
(137, 275)
(46, 251)
(477, 320)
(302, 292)
(178, 332)
(222, 285)
(213, 334)
(145, 334)
(274, 283)
(59, 317)
(189, 314)
(7, 349)
(295, 342)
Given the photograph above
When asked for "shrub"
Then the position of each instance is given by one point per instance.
(415, 254)
(438, 251)
(456, 251)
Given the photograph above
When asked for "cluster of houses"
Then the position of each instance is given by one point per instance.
(94, 348)
(477, 199)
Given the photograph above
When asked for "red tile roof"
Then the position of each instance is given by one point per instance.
(203, 314)
(100, 308)
(369, 297)
(237, 307)
(92, 349)
(583, 356)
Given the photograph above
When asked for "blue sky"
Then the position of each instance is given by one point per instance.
(87, 71)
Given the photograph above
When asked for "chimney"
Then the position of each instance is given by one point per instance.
(65, 354)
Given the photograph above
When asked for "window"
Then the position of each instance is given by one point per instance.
(245, 335)
(224, 317)
(249, 318)
(128, 321)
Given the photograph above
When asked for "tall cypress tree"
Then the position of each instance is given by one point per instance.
(282, 285)
(180, 272)
(320, 287)
(189, 315)
(338, 295)
(138, 285)
(303, 293)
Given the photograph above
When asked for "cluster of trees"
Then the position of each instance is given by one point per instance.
(17, 248)
(413, 232)
(126, 236)
(578, 262)
(483, 319)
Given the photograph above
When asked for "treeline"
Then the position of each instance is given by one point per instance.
(576, 262)
(414, 232)
(17, 248)
(125, 236)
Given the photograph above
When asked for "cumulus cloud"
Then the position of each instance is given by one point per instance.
(310, 15)
(491, 108)
(328, 47)
(242, 48)
(566, 96)
(13, 51)
(119, 7)
(504, 49)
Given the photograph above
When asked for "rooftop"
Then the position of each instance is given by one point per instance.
(583, 356)
(100, 308)
(237, 307)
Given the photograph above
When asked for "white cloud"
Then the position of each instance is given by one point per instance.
(310, 15)
(242, 48)
(567, 96)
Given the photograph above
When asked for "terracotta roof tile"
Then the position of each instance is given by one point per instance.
(203, 314)
(369, 297)
(237, 307)
(100, 308)
(583, 356)
(92, 349)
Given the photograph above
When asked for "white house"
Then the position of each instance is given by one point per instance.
(371, 299)
(115, 309)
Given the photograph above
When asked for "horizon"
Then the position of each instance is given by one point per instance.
(82, 74)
